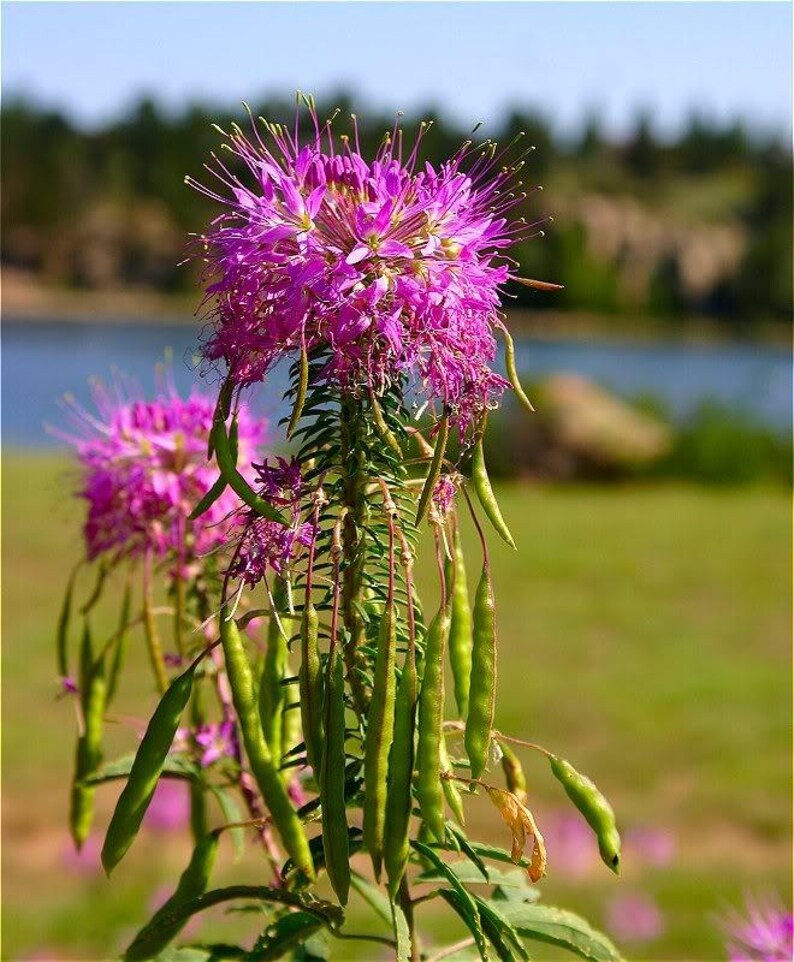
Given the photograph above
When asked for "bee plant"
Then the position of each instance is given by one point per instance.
(378, 282)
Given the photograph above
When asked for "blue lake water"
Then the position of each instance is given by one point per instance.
(42, 361)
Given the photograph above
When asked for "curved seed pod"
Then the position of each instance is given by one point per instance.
(514, 773)
(380, 723)
(460, 639)
(510, 364)
(88, 754)
(451, 791)
(272, 694)
(62, 633)
(435, 468)
(596, 809)
(220, 485)
(332, 780)
(485, 495)
(235, 480)
(120, 648)
(311, 687)
(265, 772)
(396, 845)
(155, 935)
(145, 772)
(482, 695)
(381, 426)
(431, 710)
(303, 384)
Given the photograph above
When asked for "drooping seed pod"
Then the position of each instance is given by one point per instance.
(434, 472)
(514, 773)
(460, 630)
(482, 694)
(396, 846)
(263, 768)
(88, 753)
(451, 791)
(593, 805)
(145, 773)
(380, 724)
(272, 693)
(485, 494)
(431, 714)
(332, 780)
(311, 686)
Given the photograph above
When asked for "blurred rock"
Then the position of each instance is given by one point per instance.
(580, 430)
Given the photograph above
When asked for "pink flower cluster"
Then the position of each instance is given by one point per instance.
(267, 544)
(144, 467)
(393, 267)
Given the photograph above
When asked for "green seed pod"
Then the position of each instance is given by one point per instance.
(88, 754)
(265, 772)
(380, 725)
(228, 468)
(596, 809)
(396, 844)
(332, 780)
(485, 495)
(429, 790)
(451, 791)
(514, 773)
(482, 695)
(220, 485)
(434, 472)
(145, 772)
(311, 688)
(512, 373)
(303, 384)
(460, 639)
(120, 647)
(156, 935)
(272, 694)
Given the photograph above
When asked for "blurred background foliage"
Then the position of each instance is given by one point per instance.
(698, 225)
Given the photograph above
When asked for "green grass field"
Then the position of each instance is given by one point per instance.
(645, 634)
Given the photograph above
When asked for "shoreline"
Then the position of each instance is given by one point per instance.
(39, 305)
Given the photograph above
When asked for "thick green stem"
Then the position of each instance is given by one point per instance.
(353, 548)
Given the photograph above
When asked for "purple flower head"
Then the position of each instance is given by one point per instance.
(217, 741)
(766, 934)
(634, 917)
(143, 469)
(389, 268)
(268, 545)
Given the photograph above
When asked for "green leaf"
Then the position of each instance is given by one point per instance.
(316, 948)
(283, 934)
(471, 875)
(467, 848)
(401, 933)
(501, 933)
(373, 896)
(558, 927)
(175, 766)
(490, 851)
(62, 634)
(200, 953)
(470, 917)
(463, 903)
(232, 814)
(177, 915)
(120, 646)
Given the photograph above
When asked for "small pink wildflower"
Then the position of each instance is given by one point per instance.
(634, 917)
(169, 809)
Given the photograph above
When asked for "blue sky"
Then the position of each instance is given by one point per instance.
(468, 59)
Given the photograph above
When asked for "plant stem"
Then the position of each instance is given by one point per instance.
(353, 549)
(407, 905)
(150, 628)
